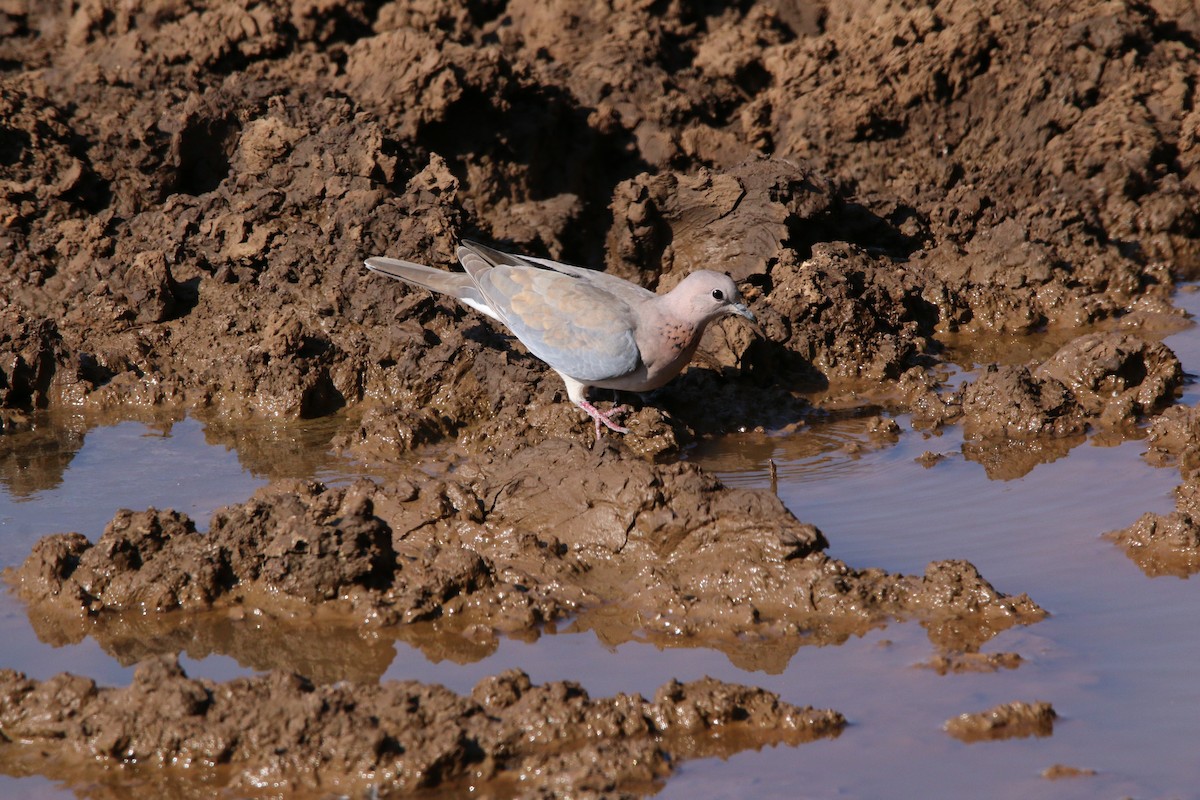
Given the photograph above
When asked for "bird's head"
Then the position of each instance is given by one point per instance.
(704, 296)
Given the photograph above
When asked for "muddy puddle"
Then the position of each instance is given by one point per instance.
(1114, 658)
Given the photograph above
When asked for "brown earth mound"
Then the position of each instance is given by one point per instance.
(626, 547)
(1166, 544)
(385, 740)
(187, 192)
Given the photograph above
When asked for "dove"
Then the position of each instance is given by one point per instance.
(592, 328)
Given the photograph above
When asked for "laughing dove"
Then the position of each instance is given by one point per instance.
(592, 328)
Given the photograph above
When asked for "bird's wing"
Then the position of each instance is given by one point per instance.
(626, 290)
(573, 325)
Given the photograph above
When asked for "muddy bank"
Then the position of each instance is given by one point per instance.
(385, 740)
(189, 192)
(624, 547)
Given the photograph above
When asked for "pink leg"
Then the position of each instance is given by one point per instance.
(599, 416)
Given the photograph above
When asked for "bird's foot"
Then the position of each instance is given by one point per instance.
(599, 416)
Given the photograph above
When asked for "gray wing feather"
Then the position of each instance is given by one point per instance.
(629, 292)
(490, 255)
(572, 324)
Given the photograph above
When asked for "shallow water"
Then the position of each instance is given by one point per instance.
(1116, 658)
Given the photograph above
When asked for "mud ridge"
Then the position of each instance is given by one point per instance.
(612, 543)
(280, 733)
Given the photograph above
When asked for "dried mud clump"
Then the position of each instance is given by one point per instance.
(629, 548)
(737, 219)
(1007, 721)
(385, 740)
(842, 313)
(30, 354)
(1166, 544)
(1013, 420)
(1111, 379)
(1011, 402)
(1019, 169)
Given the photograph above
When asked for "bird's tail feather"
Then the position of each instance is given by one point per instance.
(455, 284)
(458, 285)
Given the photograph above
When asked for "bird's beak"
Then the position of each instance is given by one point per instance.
(740, 309)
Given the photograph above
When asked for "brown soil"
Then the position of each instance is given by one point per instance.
(1169, 544)
(1166, 544)
(622, 546)
(1007, 721)
(279, 734)
(187, 192)
(1016, 417)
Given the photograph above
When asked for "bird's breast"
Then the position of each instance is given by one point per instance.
(676, 337)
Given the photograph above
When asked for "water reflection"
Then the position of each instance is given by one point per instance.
(276, 449)
(34, 460)
(820, 450)
(1010, 459)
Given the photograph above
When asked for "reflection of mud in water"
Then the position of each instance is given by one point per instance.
(322, 644)
(34, 460)
(35, 457)
(325, 651)
(819, 449)
(944, 664)
(1009, 459)
(283, 448)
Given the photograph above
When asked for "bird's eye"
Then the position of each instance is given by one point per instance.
(718, 294)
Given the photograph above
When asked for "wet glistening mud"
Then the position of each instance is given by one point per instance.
(272, 525)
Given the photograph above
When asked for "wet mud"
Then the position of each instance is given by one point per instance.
(393, 739)
(187, 192)
(625, 548)
(1166, 544)
(1007, 721)
(1169, 544)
